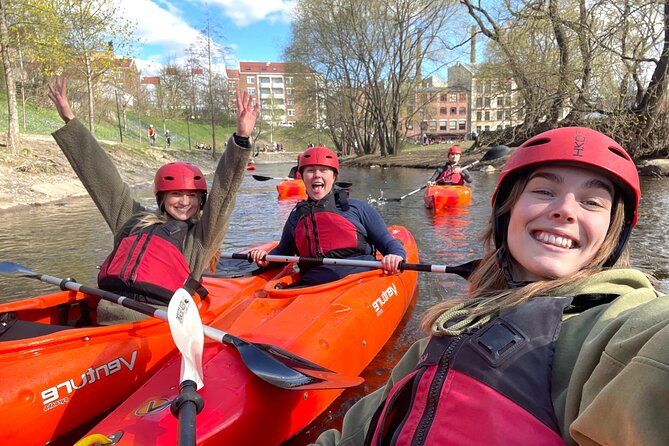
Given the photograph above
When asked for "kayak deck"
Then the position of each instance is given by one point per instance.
(62, 375)
(340, 325)
(442, 197)
(291, 189)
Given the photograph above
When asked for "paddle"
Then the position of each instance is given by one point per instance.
(463, 270)
(188, 335)
(492, 154)
(344, 184)
(270, 363)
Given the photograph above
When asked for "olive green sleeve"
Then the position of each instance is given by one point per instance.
(97, 173)
(211, 228)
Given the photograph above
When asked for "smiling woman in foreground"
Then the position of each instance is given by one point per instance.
(558, 341)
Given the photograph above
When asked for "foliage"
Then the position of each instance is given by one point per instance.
(598, 63)
(369, 56)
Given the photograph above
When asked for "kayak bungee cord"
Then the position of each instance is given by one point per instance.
(272, 364)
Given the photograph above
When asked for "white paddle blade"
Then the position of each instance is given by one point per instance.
(188, 334)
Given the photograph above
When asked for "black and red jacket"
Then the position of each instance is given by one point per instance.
(491, 386)
(322, 231)
(148, 264)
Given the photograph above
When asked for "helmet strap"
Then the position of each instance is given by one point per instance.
(502, 258)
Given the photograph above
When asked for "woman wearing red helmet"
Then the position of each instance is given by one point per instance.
(329, 224)
(451, 172)
(558, 341)
(185, 231)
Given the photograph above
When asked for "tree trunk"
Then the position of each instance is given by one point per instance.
(12, 114)
(89, 85)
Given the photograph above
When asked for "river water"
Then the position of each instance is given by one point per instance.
(69, 239)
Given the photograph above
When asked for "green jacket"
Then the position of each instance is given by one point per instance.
(610, 372)
(114, 199)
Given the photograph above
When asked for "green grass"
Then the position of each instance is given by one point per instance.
(45, 120)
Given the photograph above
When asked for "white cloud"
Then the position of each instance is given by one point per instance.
(247, 12)
(165, 33)
(157, 26)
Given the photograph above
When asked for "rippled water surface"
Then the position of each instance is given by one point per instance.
(69, 239)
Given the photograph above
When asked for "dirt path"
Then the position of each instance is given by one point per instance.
(41, 174)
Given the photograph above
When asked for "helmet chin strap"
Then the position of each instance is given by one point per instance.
(506, 268)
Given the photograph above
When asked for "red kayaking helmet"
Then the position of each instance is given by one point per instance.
(319, 155)
(455, 149)
(578, 146)
(179, 176)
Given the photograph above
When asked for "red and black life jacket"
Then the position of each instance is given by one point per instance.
(148, 264)
(322, 231)
(447, 176)
(491, 386)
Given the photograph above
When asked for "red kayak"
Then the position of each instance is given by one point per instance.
(442, 197)
(291, 189)
(60, 369)
(250, 166)
(340, 325)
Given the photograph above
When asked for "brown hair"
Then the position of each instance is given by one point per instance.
(488, 286)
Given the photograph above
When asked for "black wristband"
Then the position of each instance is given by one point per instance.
(242, 141)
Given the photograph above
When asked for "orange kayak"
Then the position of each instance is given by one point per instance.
(442, 197)
(57, 381)
(291, 189)
(340, 325)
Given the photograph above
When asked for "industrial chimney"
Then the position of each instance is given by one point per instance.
(472, 55)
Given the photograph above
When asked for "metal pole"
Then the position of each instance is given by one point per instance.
(188, 125)
(118, 116)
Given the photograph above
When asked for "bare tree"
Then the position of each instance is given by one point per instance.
(10, 79)
(371, 57)
(207, 53)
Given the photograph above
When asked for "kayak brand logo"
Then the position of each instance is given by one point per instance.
(59, 394)
(385, 297)
(152, 406)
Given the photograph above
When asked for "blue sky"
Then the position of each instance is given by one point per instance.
(254, 30)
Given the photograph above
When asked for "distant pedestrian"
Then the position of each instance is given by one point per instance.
(151, 133)
(168, 139)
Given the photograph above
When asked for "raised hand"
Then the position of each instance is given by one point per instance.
(59, 98)
(246, 114)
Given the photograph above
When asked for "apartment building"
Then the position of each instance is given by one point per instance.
(493, 104)
(274, 84)
(439, 114)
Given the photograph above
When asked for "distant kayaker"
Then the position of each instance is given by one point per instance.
(451, 172)
(183, 235)
(557, 341)
(294, 173)
(329, 224)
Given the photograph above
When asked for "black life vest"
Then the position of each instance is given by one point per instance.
(322, 231)
(148, 264)
(491, 386)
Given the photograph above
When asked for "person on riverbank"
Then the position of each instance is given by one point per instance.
(451, 172)
(190, 221)
(558, 341)
(151, 133)
(294, 173)
(329, 224)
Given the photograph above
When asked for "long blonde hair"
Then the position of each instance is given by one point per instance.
(489, 291)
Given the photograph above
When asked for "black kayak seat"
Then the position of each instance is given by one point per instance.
(12, 329)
